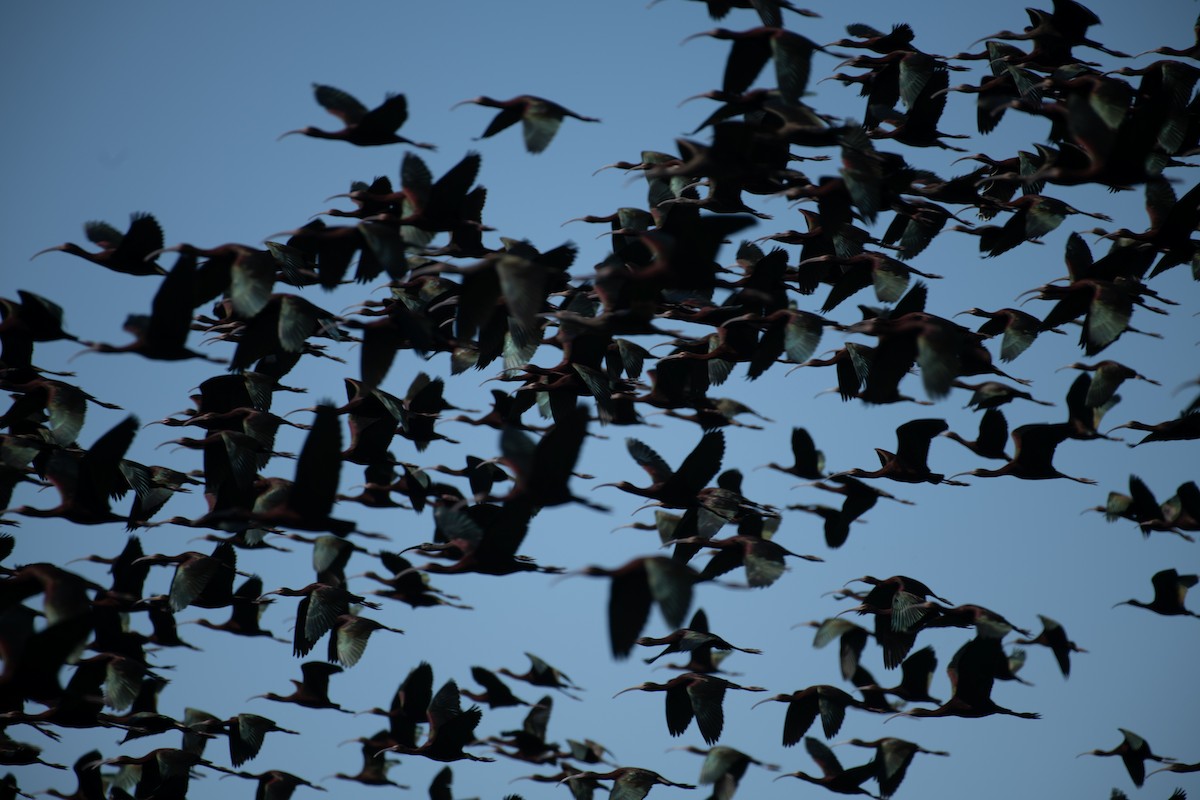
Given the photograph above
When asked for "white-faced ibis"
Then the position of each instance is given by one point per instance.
(450, 729)
(1107, 377)
(1018, 329)
(993, 436)
(201, 580)
(85, 481)
(686, 640)
(409, 708)
(495, 694)
(1140, 506)
(852, 639)
(319, 610)
(246, 734)
(629, 783)
(349, 636)
(1054, 636)
(1170, 591)
(916, 676)
(808, 461)
(638, 585)
(909, 463)
(162, 336)
(540, 118)
(275, 784)
(763, 559)
(1185, 427)
(119, 252)
(246, 610)
(164, 772)
(375, 765)
(805, 705)
(834, 777)
(724, 767)
(364, 127)
(973, 671)
(753, 48)
(892, 758)
(541, 470)
(769, 11)
(1055, 33)
(313, 690)
(89, 784)
(679, 488)
(1033, 452)
(542, 674)
(1134, 752)
(529, 742)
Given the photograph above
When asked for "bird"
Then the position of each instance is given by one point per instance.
(1033, 452)
(312, 691)
(694, 694)
(321, 606)
(496, 693)
(126, 253)
(540, 118)
(638, 585)
(1054, 636)
(541, 673)
(687, 640)
(629, 783)
(375, 765)
(892, 759)
(833, 776)
(162, 336)
(805, 705)
(909, 463)
(678, 488)
(1170, 591)
(364, 128)
(1134, 752)
(808, 461)
(724, 767)
(973, 671)
(450, 729)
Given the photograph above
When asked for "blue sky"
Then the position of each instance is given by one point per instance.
(175, 110)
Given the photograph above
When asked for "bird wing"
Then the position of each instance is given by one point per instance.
(832, 704)
(445, 705)
(801, 713)
(539, 129)
(649, 460)
(506, 118)
(701, 465)
(826, 760)
(628, 609)
(670, 585)
(706, 697)
(388, 116)
(319, 467)
(143, 238)
(679, 709)
(339, 103)
(747, 57)
(914, 437)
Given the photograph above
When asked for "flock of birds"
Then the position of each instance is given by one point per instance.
(82, 654)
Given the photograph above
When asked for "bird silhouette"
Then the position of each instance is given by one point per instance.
(1134, 752)
(1170, 591)
(540, 118)
(365, 128)
(126, 253)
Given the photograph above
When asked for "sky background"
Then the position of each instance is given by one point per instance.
(174, 110)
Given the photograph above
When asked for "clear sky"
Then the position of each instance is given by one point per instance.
(174, 109)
